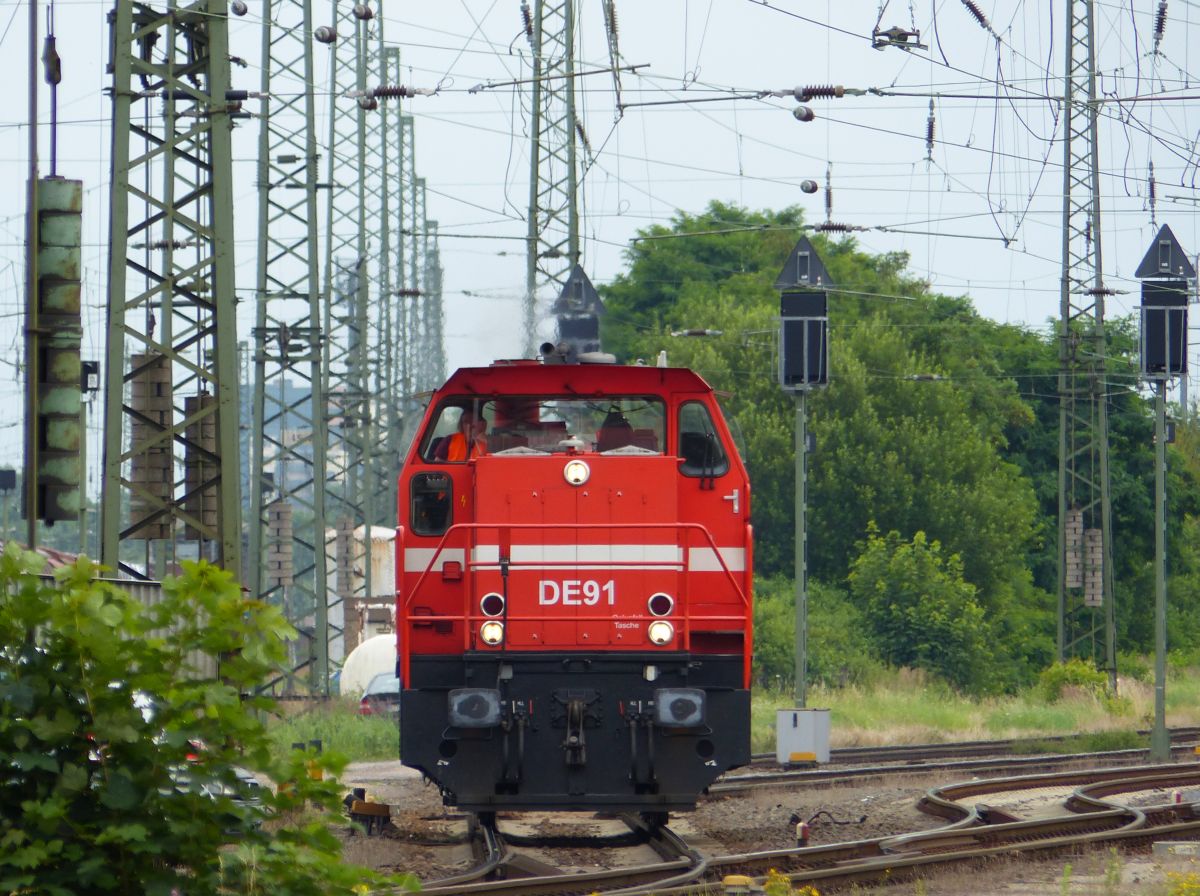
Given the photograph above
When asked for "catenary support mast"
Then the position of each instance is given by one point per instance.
(287, 488)
(1085, 577)
(349, 282)
(553, 236)
(171, 378)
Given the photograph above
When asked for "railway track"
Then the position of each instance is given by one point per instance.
(1089, 817)
(1100, 807)
(741, 782)
(501, 870)
(963, 749)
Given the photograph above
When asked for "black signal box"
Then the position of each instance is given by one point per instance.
(1164, 327)
(804, 342)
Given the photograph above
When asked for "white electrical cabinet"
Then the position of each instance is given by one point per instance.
(801, 735)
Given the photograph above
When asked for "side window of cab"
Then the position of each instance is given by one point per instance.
(699, 444)
(430, 502)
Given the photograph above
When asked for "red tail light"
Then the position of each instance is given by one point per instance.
(365, 708)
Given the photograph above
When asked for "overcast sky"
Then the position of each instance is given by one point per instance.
(980, 213)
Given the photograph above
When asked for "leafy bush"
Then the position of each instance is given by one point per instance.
(839, 649)
(1135, 666)
(119, 762)
(1074, 673)
(919, 609)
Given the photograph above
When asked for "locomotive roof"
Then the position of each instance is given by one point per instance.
(585, 379)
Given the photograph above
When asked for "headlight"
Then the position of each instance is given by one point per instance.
(660, 632)
(492, 632)
(492, 604)
(576, 472)
(660, 604)
(474, 708)
(679, 707)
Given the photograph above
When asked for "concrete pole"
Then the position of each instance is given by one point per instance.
(801, 685)
(1160, 741)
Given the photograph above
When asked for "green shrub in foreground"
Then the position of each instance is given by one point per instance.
(1074, 673)
(98, 795)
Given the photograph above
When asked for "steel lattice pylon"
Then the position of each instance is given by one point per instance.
(171, 372)
(289, 439)
(553, 235)
(391, 337)
(1085, 578)
(434, 321)
(409, 292)
(409, 296)
(348, 285)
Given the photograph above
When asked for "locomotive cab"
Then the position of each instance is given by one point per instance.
(574, 590)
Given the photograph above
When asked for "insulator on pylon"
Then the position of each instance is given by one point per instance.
(977, 13)
(527, 19)
(809, 186)
(929, 129)
(833, 227)
(280, 570)
(199, 466)
(325, 34)
(1160, 23)
(612, 18)
(819, 91)
(151, 466)
(398, 91)
(239, 7)
(583, 137)
(803, 113)
(1152, 192)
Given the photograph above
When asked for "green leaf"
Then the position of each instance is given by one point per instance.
(51, 728)
(73, 778)
(34, 762)
(110, 615)
(120, 792)
(123, 833)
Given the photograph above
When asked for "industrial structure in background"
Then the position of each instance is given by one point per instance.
(1086, 613)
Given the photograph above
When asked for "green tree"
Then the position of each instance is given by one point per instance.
(711, 247)
(920, 611)
(118, 759)
(910, 453)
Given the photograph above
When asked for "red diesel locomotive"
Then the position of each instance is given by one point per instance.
(574, 612)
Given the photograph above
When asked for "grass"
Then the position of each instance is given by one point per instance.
(908, 708)
(340, 728)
